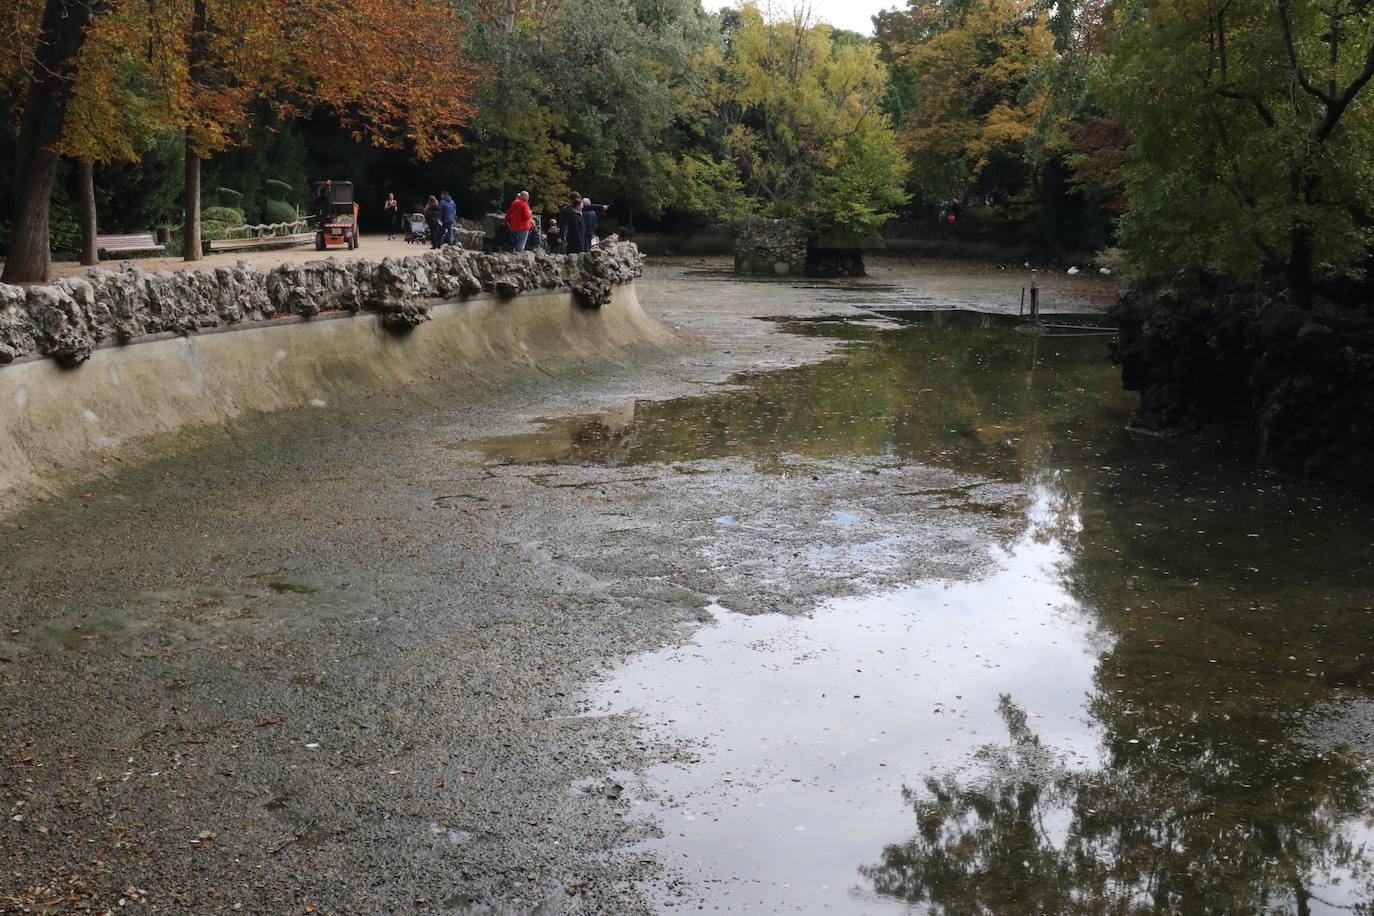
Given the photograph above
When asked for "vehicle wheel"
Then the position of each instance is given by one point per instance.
(319, 241)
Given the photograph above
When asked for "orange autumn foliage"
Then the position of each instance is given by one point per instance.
(204, 65)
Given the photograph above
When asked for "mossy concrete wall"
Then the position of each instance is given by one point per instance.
(58, 418)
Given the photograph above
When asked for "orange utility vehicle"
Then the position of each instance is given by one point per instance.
(336, 213)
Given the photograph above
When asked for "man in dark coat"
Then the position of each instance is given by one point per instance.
(589, 213)
(324, 202)
(575, 239)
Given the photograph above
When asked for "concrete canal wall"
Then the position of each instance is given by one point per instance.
(98, 365)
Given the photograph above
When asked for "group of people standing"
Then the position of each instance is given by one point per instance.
(441, 215)
(571, 232)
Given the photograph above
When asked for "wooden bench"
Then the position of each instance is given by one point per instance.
(258, 242)
(116, 246)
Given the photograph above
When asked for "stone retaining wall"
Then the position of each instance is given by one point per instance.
(770, 246)
(782, 247)
(1294, 382)
(69, 318)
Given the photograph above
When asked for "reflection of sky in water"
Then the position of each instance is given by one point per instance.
(809, 727)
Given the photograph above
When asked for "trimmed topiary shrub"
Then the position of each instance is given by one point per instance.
(228, 196)
(214, 229)
(280, 187)
(227, 215)
(278, 211)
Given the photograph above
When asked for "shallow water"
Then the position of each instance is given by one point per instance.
(1157, 700)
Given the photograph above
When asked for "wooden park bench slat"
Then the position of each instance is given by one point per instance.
(132, 243)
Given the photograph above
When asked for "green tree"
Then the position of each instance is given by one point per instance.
(582, 95)
(1250, 122)
(802, 122)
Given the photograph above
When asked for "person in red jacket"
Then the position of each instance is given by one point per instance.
(519, 220)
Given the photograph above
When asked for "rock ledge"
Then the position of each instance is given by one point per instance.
(68, 319)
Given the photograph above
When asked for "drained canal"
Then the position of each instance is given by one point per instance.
(1153, 697)
(916, 627)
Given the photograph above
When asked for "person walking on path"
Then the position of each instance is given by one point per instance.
(391, 212)
(519, 220)
(589, 212)
(449, 211)
(434, 219)
(574, 237)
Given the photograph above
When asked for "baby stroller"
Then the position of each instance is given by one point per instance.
(417, 231)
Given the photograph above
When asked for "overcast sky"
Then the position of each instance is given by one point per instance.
(845, 14)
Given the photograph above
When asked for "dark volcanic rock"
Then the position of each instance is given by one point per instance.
(1295, 382)
(67, 319)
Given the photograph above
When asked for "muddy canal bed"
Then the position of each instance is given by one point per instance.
(1151, 698)
(915, 627)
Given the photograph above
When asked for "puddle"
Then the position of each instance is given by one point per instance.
(1156, 702)
(808, 728)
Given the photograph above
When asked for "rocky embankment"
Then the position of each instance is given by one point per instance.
(67, 319)
(1298, 383)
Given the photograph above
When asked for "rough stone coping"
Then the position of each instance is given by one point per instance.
(67, 319)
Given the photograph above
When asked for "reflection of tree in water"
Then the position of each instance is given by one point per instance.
(953, 389)
(1032, 835)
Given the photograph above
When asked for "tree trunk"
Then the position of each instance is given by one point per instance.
(1300, 256)
(195, 65)
(1302, 244)
(190, 230)
(62, 34)
(86, 197)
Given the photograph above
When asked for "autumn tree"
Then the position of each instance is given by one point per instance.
(223, 56)
(977, 102)
(115, 115)
(44, 41)
(209, 65)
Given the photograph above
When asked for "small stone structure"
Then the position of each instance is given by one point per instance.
(69, 318)
(770, 246)
(838, 254)
(780, 247)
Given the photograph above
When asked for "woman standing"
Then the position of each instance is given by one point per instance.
(434, 217)
(392, 214)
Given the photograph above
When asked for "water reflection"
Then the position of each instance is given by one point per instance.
(1029, 835)
(1178, 649)
(956, 389)
(807, 728)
